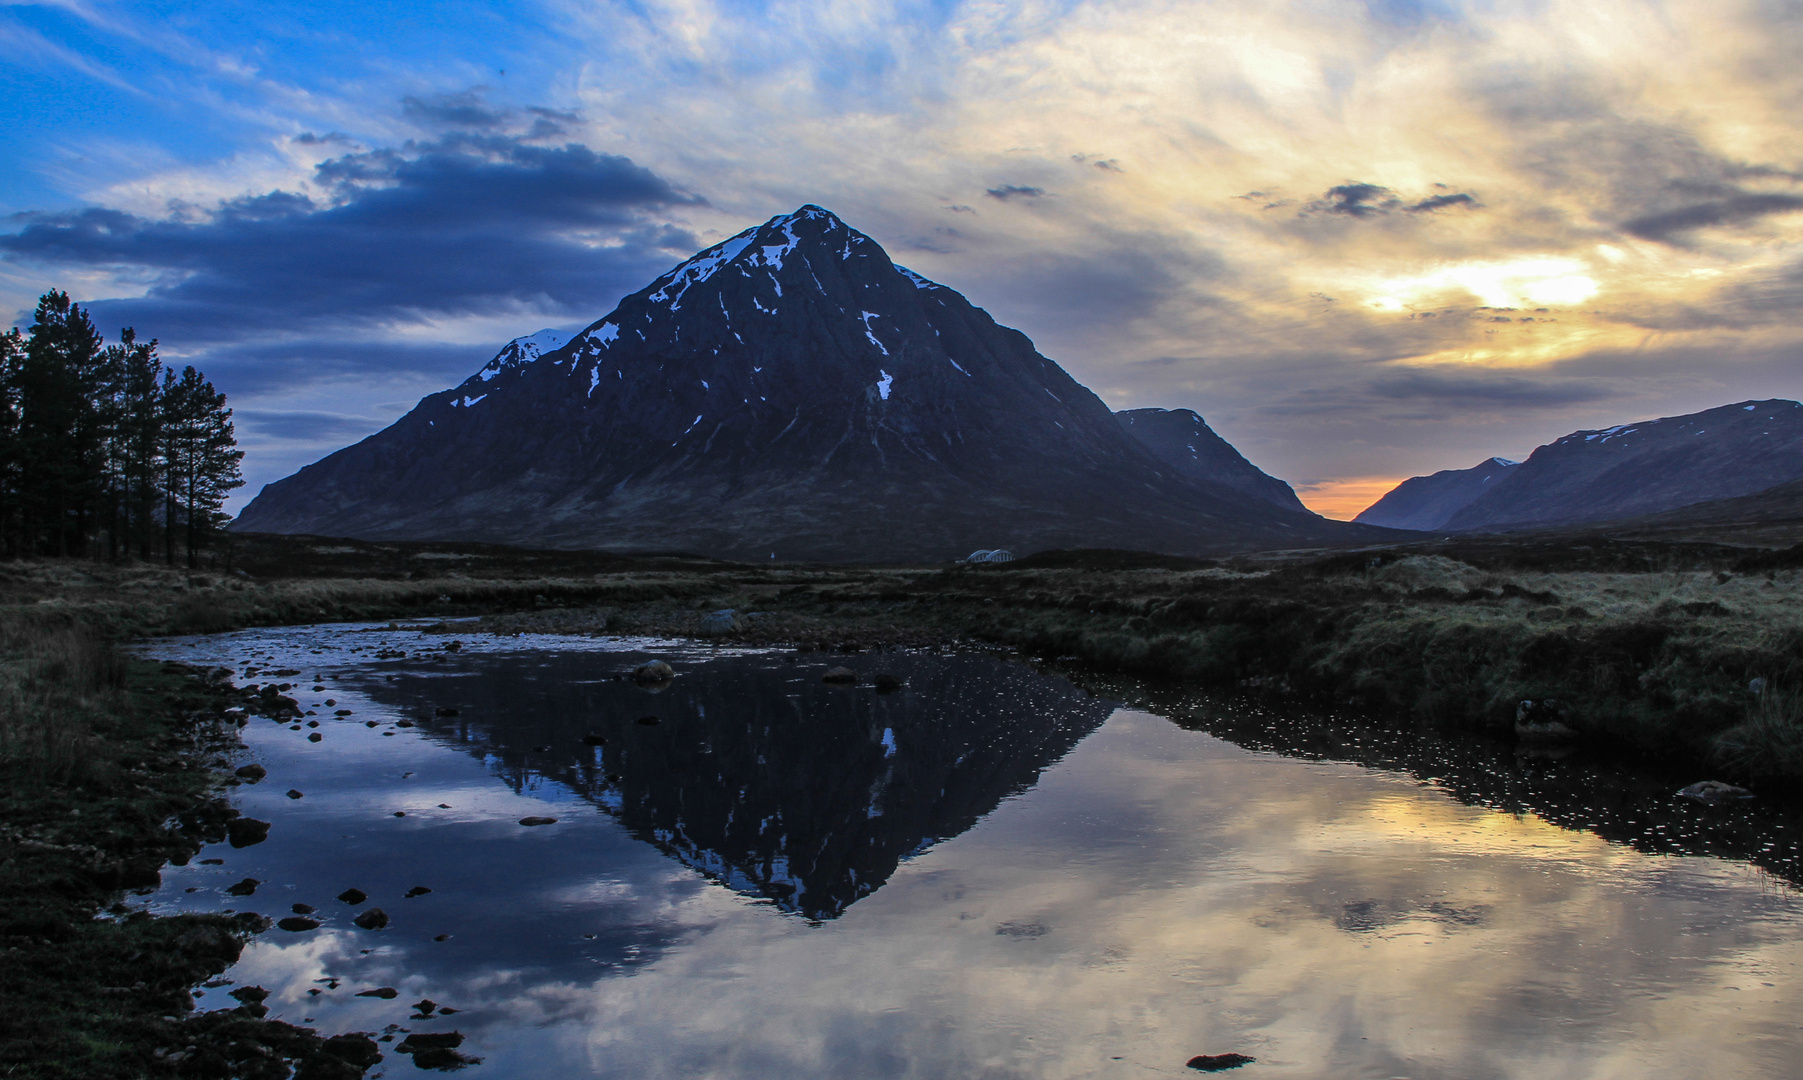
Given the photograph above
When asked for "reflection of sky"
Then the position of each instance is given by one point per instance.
(1329, 227)
(1159, 893)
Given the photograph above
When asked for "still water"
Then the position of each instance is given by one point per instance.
(988, 873)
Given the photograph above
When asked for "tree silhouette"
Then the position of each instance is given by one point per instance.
(102, 449)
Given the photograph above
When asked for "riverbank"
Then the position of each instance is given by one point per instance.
(110, 769)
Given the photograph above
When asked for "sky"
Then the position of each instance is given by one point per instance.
(1365, 240)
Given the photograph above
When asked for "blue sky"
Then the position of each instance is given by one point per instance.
(1364, 240)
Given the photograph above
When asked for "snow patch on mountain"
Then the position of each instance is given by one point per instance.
(701, 267)
(521, 351)
(919, 282)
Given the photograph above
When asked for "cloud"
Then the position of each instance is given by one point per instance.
(1014, 191)
(466, 111)
(311, 427)
(1727, 211)
(1441, 202)
(1487, 389)
(467, 224)
(1361, 200)
(1355, 199)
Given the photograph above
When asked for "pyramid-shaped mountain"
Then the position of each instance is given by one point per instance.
(789, 392)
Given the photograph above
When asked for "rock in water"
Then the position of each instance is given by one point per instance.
(353, 897)
(529, 821)
(1714, 791)
(840, 675)
(656, 671)
(243, 832)
(1218, 1062)
(788, 391)
(251, 773)
(296, 924)
(373, 919)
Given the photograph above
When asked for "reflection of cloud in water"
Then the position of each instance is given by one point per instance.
(1214, 917)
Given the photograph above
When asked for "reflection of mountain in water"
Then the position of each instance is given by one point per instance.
(758, 774)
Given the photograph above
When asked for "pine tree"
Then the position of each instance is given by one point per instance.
(138, 435)
(200, 458)
(60, 426)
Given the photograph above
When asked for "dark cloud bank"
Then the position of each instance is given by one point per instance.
(471, 223)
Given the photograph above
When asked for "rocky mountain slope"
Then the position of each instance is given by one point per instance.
(789, 392)
(1183, 441)
(1428, 502)
(1645, 468)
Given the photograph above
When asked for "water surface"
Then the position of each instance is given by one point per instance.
(990, 873)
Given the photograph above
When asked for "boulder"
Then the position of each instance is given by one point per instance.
(715, 623)
(373, 919)
(353, 897)
(594, 740)
(251, 773)
(297, 924)
(654, 671)
(243, 832)
(885, 681)
(244, 888)
(538, 821)
(840, 675)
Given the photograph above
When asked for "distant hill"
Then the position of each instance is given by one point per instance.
(1626, 471)
(1428, 502)
(1769, 518)
(1183, 441)
(788, 392)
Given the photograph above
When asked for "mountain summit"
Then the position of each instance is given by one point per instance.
(787, 392)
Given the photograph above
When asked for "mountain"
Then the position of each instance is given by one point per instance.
(1644, 468)
(789, 393)
(1183, 441)
(1428, 502)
